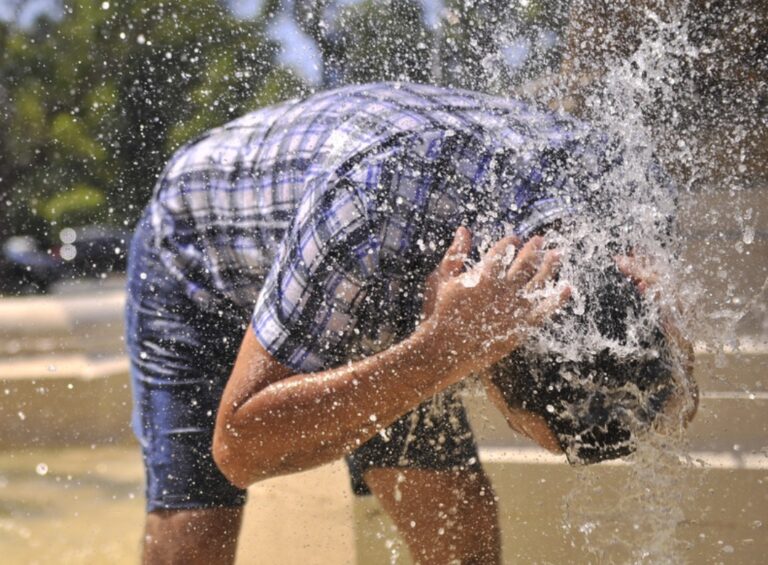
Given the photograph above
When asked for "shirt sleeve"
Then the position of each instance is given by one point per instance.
(314, 292)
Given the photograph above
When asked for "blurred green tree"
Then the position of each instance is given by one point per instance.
(487, 45)
(367, 40)
(497, 45)
(384, 40)
(95, 101)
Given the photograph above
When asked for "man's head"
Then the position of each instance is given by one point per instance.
(597, 373)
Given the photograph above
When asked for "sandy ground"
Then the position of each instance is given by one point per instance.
(300, 519)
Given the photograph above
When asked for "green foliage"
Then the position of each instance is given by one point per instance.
(27, 124)
(94, 103)
(476, 35)
(74, 139)
(384, 40)
(371, 40)
(100, 98)
(73, 207)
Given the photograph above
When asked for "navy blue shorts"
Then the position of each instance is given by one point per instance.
(181, 357)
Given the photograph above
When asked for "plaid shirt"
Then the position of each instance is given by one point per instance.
(328, 213)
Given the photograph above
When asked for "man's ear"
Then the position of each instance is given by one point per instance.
(523, 422)
(496, 396)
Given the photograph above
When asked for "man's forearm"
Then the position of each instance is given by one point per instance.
(305, 420)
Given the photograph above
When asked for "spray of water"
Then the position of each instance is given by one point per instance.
(646, 100)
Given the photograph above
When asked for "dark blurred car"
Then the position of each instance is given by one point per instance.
(93, 251)
(25, 268)
(28, 266)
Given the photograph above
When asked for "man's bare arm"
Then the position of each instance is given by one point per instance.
(272, 422)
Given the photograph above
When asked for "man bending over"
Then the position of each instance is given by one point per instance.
(311, 280)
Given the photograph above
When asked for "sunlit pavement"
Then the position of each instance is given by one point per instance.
(724, 517)
(85, 506)
(64, 388)
(82, 505)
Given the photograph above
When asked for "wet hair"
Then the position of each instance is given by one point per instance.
(597, 400)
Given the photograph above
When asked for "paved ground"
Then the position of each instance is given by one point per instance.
(84, 506)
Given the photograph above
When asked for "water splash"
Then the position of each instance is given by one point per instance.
(645, 89)
(633, 520)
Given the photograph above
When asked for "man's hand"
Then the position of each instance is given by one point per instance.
(642, 271)
(485, 312)
(507, 281)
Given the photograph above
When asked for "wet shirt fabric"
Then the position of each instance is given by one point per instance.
(328, 213)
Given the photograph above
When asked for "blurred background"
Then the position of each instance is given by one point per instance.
(95, 96)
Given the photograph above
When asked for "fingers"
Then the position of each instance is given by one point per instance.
(527, 262)
(453, 260)
(626, 265)
(529, 266)
(546, 308)
(500, 256)
(548, 269)
(639, 270)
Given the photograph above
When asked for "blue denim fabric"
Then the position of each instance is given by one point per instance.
(181, 357)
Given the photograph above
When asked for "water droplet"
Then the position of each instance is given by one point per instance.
(470, 279)
(67, 251)
(22, 415)
(68, 235)
(749, 235)
(105, 5)
(41, 469)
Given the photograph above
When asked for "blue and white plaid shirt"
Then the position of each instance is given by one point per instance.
(328, 213)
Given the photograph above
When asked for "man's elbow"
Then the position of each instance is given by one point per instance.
(241, 462)
(230, 463)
